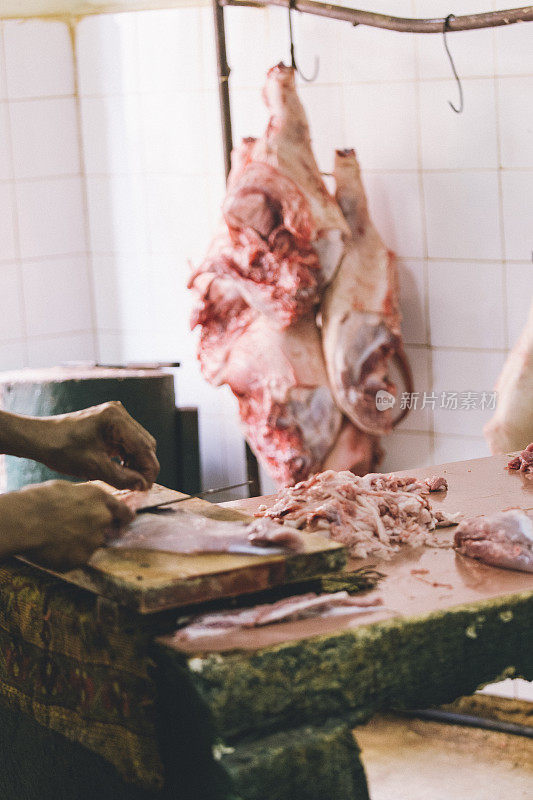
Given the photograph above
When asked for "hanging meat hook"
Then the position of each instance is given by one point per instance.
(294, 65)
(445, 28)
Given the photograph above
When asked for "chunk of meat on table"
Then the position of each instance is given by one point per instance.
(501, 540)
(372, 515)
(523, 462)
(360, 314)
(290, 608)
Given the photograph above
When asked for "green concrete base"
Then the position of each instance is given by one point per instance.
(304, 764)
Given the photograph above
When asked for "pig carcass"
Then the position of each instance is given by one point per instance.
(511, 427)
(360, 314)
(285, 231)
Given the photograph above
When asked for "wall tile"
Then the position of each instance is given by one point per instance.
(39, 59)
(11, 319)
(12, 355)
(381, 125)
(49, 351)
(116, 214)
(395, 207)
(177, 215)
(57, 296)
(458, 141)
(3, 81)
(464, 371)
(110, 348)
(106, 289)
(413, 301)
(112, 139)
(459, 448)
(457, 320)
(406, 451)
(170, 144)
(516, 122)
(7, 230)
(418, 418)
(519, 297)
(169, 44)
(51, 217)
(247, 42)
(462, 215)
(5, 144)
(514, 49)
(249, 115)
(45, 138)
(369, 54)
(107, 53)
(517, 190)
(323, 105)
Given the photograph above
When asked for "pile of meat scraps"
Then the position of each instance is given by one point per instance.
(302, 606)
(288, 255)
(371, 515)
(504, 539)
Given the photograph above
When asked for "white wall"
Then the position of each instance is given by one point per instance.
(452, 194)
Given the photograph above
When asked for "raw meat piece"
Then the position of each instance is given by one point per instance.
(501, 540)
(279, 189)
(354, 450)
(290, 608)
(372, 515)
(361, 316)
(523, 461)
(285, 404)
(179, 531)
(511, 427)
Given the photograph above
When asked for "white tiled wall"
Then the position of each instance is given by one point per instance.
(111, 180)
(45, 281)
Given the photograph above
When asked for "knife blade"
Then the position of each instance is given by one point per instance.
(207, 492)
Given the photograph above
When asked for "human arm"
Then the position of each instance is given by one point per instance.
(84, 443)
(59, 524)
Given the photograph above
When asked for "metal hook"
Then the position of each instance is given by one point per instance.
(294, 65)
(445, 28)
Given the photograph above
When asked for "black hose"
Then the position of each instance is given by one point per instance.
(470, 721)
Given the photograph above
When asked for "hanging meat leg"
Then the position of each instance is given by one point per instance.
(360, 314)
(511, 427)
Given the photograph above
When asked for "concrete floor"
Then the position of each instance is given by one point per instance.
(409, 759)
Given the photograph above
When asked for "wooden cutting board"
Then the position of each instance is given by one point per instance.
(150, 581)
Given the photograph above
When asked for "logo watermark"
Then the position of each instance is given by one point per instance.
(450, 401)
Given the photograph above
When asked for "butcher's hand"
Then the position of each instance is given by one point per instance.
(87, 443)
(59, 524)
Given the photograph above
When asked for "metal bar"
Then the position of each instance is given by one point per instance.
(223, 70)
(490, 19)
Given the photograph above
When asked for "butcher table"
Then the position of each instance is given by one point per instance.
(97, 701)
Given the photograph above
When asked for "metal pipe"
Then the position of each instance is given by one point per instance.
(489, 19)
(470, 721)
(223, 71)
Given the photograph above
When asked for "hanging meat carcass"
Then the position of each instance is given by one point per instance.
(511, 427)
(361, 315)
(284, 234)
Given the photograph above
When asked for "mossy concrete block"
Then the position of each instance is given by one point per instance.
(308, 763)
(398, 663)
